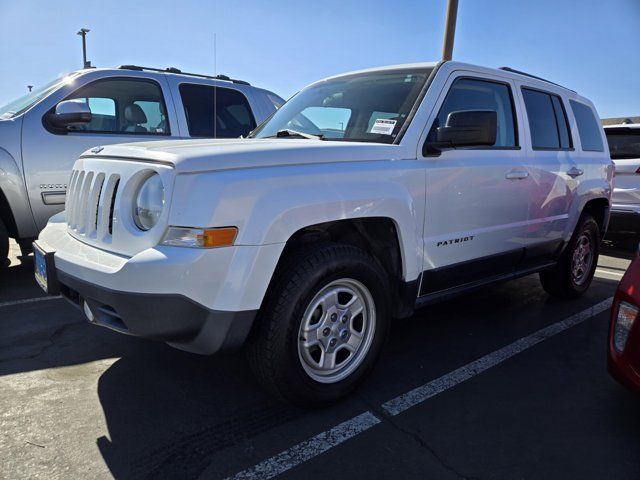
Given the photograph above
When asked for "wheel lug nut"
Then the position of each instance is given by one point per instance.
(334, 317)
(332, 342)
(344, 319)
(343, 334)
(326, 331)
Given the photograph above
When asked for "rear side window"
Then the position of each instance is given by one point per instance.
(588, 127)
(547, 120)
(472, 94)
(229, 108)
(624, 143)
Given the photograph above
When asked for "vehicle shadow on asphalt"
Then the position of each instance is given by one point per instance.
(168, 412)
(171, 414)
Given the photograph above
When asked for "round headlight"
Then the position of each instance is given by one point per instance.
(149, 202)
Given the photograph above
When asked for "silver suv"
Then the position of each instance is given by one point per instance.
(624, 145)
(44, 132)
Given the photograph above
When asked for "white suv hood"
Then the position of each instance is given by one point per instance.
(208, 155)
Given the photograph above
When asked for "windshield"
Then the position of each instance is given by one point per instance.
(624, 143)
(365, 107)
(23, 103)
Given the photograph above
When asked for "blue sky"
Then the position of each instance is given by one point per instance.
(588, 45)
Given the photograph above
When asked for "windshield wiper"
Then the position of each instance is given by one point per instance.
(286, 132)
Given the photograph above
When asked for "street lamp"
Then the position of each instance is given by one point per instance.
(449, 30)
(83, 33)
(30, 87)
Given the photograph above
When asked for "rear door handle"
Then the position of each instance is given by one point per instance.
(517, 175)
(575, 172)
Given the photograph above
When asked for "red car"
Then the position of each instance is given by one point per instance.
(624, 331)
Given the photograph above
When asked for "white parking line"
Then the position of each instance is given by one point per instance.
(439, 385)
(309, 448)
(304, 451)
(608, 274)
(28, 300)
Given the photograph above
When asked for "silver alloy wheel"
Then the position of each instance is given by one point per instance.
(582, 259)
(337, 330)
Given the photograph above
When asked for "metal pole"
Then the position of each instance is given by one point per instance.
(449, 30)
(83, 33)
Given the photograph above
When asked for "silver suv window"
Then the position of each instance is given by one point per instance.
(229, 107)
(123, 106)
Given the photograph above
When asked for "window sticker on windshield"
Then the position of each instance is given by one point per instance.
(383, 126)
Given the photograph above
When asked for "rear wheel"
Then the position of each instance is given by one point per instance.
(4, 245)
(322, 325)
(574, 272)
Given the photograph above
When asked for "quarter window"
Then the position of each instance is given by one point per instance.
(229, 108)
(123, 106)
(547, 120)
(588, 127)
(472, 94)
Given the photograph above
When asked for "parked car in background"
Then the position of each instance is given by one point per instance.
(624, 146)
(624, 332)
(365, 196)
(44, 132)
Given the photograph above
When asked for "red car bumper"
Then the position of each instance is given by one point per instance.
(624, 330)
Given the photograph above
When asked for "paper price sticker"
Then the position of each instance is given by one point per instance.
(383, 126)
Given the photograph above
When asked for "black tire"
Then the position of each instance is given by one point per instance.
(561, 281)
(4, 245)
(273, 346)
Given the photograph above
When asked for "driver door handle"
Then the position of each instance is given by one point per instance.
(575, 172)
(517, 175)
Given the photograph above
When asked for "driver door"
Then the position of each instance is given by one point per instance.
(477, 197)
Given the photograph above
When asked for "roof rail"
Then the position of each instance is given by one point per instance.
(513, 70)
(177, 70)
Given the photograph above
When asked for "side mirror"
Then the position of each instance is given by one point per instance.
(465, 128)
(69, 113)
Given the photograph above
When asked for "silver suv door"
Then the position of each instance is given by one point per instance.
(124, 109)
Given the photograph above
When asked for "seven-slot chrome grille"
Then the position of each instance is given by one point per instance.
(90, 203)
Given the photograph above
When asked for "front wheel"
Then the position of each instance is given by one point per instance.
(322, 325)
(577, 265)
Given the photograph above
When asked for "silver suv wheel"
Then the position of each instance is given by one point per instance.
(336, 331)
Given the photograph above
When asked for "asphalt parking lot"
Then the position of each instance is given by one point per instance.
(502, 383)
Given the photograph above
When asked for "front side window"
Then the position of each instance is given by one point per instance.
(363, 107)
(123, 106)
(547, 120)
(468, 94)
(588, 127)
(624, 143)
(230, 109)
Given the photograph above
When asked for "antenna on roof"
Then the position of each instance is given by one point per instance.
(215, 88)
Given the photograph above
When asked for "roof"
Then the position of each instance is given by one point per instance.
(454, 65)
(168, 70)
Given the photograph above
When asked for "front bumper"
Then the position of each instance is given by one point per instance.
(200, 300)
(174, 319)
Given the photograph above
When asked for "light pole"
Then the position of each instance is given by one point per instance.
(30, 87)
(83, 33)
(449, 30)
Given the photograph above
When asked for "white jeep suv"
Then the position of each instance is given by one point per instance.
(364, 197)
